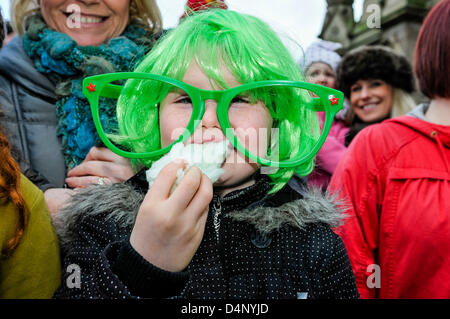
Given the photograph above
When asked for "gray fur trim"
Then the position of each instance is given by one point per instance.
(119, 202)
(314, 207)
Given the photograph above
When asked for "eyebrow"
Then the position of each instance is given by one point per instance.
(177, 90)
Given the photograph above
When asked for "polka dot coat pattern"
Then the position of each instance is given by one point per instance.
(234, 260)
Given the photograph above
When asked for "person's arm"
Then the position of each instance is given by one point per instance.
(146, 280)
(100, 165)
(333, 148)
(336, 275)
(358, 183)
(33, 269)
(100, 263)
(166, 234)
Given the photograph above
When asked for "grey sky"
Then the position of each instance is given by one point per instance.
(298, 22)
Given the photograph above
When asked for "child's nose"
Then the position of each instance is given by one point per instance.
(321, 77)
(209, 129)
(210, 117)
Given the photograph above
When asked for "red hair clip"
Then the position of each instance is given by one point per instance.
(198, 5)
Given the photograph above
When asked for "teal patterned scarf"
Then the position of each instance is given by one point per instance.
(66, 64)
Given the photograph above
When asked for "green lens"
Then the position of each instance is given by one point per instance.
(267, 122)
(131, 120)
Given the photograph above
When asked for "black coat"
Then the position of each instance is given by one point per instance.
(254, 246)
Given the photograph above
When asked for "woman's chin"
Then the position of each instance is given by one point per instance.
(87, 38)
(86, 41)
(369, 117)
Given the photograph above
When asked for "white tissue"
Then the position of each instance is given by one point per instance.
(209, 157)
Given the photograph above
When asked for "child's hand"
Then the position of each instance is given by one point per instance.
(169, 228)
(56, 198)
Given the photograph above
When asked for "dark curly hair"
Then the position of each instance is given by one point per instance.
(374, 62)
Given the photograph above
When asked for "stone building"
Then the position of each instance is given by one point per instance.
(395, 23)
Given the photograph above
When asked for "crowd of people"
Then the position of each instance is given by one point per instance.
(333, 183)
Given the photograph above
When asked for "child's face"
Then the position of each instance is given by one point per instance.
(322, 74)
(250, 125)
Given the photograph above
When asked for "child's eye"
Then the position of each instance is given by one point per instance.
(240, 100)
(183, 100)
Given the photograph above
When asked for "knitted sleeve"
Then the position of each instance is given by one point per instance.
(33, 269)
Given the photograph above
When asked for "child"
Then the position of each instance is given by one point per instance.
(321, 63)
(247, 236)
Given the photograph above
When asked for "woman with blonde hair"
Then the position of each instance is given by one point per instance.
(46, 116)
(378, 83)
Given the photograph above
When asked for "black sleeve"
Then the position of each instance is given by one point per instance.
(145, 279)
(337, 280)
(38, 179)
(110, 268)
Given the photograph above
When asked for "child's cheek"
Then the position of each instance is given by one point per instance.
(170, 131)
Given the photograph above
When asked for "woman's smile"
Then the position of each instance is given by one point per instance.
(88, 23)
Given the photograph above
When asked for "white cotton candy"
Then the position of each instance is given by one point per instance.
(209, 157)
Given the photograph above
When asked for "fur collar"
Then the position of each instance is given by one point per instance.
(120, 203)
(314, 207)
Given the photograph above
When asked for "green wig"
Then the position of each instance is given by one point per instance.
(251, 51)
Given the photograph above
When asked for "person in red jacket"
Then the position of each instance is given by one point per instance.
(395, 178)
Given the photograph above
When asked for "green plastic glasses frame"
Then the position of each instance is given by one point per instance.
(329, 100)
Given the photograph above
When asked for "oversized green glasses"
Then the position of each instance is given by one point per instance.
(262, 120)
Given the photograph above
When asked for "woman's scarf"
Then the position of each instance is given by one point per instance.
(357, 126)
(66, 64)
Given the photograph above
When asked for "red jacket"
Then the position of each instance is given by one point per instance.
(396, 180)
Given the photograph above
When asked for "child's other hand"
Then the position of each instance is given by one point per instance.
(169, 228)
(56, 198)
